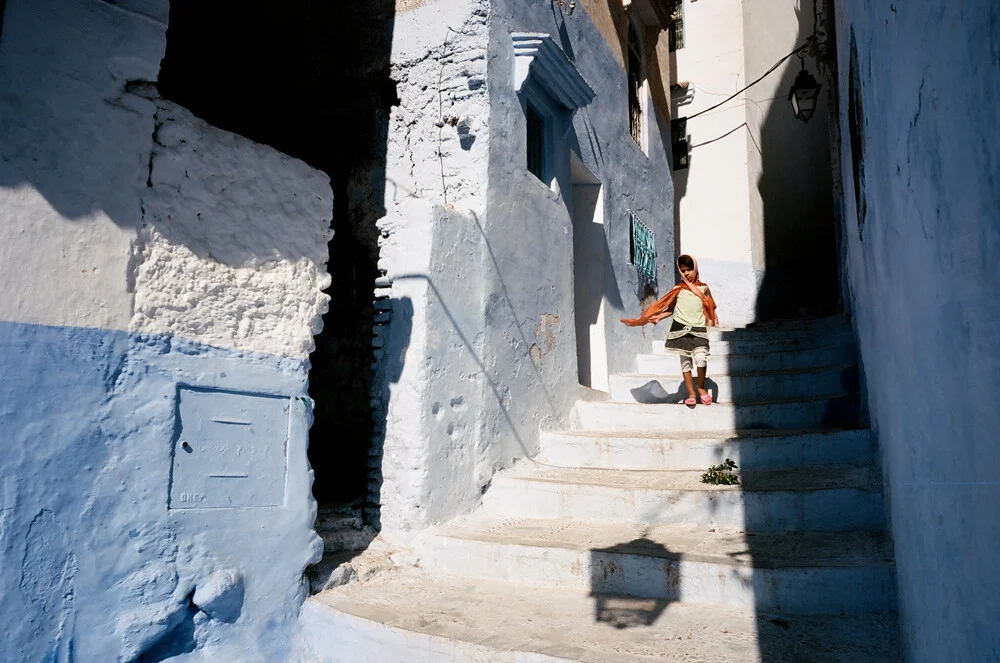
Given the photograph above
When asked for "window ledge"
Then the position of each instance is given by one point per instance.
(537, 54)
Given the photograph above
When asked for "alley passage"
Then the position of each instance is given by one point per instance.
(607, 546)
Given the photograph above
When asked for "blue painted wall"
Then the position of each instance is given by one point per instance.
(98, 568)
(922, 241)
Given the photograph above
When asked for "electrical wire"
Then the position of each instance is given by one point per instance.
(762, 77)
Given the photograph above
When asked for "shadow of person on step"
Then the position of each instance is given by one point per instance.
(653, 392)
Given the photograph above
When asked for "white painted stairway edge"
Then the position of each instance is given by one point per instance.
(816, 412)
(756, 449)
(818, 573)
(822, 499)
(663, 363)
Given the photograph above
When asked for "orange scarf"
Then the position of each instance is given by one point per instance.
(664, 306)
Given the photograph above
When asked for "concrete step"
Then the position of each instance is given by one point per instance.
(778, 385)
(809, 573)
(816, 326)
(825, 499)
(732, 343)
(737, 364)
(418, 617)
(834, 411)
(755, 449)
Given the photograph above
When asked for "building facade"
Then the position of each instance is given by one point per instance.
(507, 244)
(753, 191)
(919, 160)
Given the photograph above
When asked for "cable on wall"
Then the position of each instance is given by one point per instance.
(800, 51)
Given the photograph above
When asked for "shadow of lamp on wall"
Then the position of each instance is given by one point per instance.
(805, 89)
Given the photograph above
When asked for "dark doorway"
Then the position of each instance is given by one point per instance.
(310, 79)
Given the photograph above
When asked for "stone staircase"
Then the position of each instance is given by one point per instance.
(607, 547)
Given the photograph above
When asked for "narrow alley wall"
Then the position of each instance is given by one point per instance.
(918, 99)
(162, 285)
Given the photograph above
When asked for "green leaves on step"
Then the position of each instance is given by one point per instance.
(722, 474)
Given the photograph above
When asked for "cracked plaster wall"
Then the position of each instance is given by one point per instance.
(479, 347)
(134, 269)
(924, 282)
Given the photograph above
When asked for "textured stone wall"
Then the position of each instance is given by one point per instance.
(162, 282)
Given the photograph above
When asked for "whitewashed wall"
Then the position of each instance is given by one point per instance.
(481, 350)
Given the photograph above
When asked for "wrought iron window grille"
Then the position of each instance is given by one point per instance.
(642, 248)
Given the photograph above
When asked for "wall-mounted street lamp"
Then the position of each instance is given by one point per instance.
(804, 92)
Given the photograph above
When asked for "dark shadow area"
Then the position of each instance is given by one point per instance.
(348, 525)
(820, 560)
(632, 583)
(311, 80)
(800, 245)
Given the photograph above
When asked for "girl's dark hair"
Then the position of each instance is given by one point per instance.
(686, 262)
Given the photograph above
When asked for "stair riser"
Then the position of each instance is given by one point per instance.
(726, 344)
(802, 591)
(837, 510)
(730, 364)
(624, 453)
(835, 413)
(734, 389)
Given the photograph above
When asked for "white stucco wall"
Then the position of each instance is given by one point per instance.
(136, 243)
(72, 195)
(924, 281)
(530, 291)
(713, 194)
(216, 259)
(427, 372)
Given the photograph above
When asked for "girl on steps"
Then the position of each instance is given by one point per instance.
(693, 309)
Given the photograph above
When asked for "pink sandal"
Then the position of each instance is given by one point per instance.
(690, 401)
(706, 399)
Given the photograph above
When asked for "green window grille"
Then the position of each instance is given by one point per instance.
(536, 142)
(642, 248)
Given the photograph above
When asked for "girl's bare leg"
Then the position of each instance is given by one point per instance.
(689, 382)
(702, 371)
